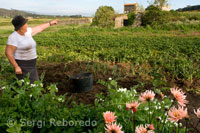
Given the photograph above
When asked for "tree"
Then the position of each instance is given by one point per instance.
(154, 16)
(140, 7)
(161, 3)
(104, 17)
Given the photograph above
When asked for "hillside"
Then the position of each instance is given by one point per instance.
(13, 12)
(190, 8)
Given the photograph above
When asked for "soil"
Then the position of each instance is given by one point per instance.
(60, 74)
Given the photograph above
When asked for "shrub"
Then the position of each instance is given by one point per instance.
(104, 17)
(154, 16)
(131, 18)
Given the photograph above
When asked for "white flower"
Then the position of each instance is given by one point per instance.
(33, 85)
(31, 95)
(122, 90)
(167, 107)
(180, 124)
(176, 124)
(56, 89)
(146, 108)
(22, 80)
(110, 79)
(41, 84)
(59, 99)
(2, 88)
(134, 91)
(159, 107)
(100, 100)
(172, 101)
(27, 82)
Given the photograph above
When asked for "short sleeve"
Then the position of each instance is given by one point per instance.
(29, 31)
(12, 41)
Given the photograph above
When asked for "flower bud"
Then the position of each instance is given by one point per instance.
(151, 127)
(134, 110)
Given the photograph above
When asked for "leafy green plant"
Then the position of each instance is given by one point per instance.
(131, 18)
(104, 17)
(154, 16)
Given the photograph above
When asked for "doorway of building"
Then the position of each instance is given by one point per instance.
(125, 22)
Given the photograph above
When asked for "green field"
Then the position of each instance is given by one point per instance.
(155, 59)
(174, 52)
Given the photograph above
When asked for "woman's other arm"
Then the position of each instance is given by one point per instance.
(40, 28)
(9, 53)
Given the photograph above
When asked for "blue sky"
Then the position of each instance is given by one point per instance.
(83, 7)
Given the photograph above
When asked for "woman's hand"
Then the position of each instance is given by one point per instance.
(42, 27)
(54, 22)
(18, 70)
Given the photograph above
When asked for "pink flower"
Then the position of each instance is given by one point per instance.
(147, 96)
(132, 106)
(151, 127)
(109, 117)
(197, 112)
(177, 114)
(180, 96)
(183, 112)
(144, 129)
(113, 128)
(141, 129)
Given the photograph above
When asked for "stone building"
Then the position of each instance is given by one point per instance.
(130, 8)
(121, 19)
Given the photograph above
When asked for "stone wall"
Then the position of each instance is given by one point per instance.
(119, 20)
(76, 21)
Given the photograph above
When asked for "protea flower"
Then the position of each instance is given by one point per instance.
(109, 117)
(144, 129)
(113, 128)
(132, 105)
(147, 96)
(177, 114)
(180, 96)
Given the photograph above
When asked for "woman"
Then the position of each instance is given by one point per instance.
(21, 47)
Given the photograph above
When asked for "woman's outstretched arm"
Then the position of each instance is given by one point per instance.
(42, 27)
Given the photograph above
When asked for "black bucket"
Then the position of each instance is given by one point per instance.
(83, 82)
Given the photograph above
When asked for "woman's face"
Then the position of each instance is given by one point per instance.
(23, 29)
